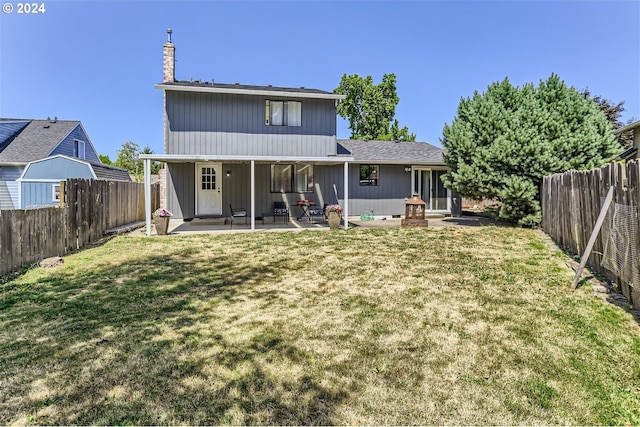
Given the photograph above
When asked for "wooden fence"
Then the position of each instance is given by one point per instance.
(89, 208)
(571, 204)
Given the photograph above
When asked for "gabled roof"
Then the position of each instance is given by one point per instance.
(36, 141)
(237, 88)
(628, 127)
(392, 152)
(110, 173)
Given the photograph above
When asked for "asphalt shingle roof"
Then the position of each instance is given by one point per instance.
(198, 83)
(37, 140)
(392, 151)
(110, 173)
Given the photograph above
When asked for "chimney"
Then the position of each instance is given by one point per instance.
(169, 60)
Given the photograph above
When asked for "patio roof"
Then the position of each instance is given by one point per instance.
(189, 158)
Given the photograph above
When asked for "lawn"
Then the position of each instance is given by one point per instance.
(386, 326)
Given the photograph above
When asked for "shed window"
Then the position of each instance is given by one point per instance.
(369, 175)
(55, 192)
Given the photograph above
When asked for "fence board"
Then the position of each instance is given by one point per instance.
(90, 208)
(571, 203)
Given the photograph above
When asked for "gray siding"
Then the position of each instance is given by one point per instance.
(66, 145)
(386, 199)
(8, 194)
(9, 188)
(37, 194)
(181, 189)
(225, 124)
(57, 168)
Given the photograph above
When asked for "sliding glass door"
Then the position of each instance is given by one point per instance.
(428, 184)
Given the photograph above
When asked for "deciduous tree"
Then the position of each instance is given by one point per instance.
(371, 108)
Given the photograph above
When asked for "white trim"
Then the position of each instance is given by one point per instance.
(73, 159)
(346, 195)
(191, 158)
(628, 127)
(147, 195)
(253, 195)
(198, 185)
(53, 191)
(243, 91)
(40, 180)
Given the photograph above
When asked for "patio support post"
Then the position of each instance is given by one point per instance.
(346, 195)
(147, 194)
(253, 194)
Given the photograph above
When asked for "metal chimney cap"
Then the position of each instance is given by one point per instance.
(169, 34)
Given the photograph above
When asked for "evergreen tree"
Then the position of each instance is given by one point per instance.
(502, 142)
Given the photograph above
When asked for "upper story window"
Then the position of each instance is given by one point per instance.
(78, 148)
(282, 113)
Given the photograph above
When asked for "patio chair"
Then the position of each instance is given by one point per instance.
(317, 211)
(238, 213)
(280, 209)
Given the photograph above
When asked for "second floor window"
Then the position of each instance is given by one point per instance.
(283, 113)
(78, 148)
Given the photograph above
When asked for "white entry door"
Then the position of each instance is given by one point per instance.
(208, 188)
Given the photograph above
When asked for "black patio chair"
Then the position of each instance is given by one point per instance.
(280, 209)
(238, 213)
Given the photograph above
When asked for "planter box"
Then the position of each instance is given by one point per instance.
(162, 224)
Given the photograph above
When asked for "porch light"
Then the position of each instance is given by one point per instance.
(415, 212)
(228, 174)
(407, 169)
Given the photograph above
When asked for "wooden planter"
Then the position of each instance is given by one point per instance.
(162, 224)
(334, 220)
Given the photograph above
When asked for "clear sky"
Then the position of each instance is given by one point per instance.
(98, 61)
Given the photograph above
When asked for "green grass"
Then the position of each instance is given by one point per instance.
(385, 326)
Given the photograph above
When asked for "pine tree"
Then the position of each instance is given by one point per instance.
(503, 141)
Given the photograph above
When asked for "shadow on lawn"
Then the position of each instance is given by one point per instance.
(119, 345)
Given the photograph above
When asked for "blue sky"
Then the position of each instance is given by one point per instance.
(98, 61)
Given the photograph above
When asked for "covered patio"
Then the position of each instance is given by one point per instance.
(254, 200)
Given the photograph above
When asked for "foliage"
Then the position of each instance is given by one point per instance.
(371, 108)
(162, 212)
(129, 159)
(334, 208)
(502, 142)
(613, 112)
(104, 158)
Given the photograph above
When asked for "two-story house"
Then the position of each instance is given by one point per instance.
(230, 145)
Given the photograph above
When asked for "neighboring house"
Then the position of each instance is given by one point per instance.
(635, 127)
(35, 155)
(232, 145)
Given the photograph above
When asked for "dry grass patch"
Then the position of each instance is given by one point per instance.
(386, 326)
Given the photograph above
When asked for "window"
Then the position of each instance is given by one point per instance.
(208, 178)
(304, 178)
(369, 174)
(78, 149)
(292, 178)
(283, 113)
(281, 177)
(56, 192)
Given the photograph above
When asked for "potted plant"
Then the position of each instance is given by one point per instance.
(334, 214)
(161, 221)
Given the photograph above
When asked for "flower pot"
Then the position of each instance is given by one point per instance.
(162, 224)
(334, 220)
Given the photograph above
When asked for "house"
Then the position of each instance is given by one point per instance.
(233, 145)
(35, 155)
(635, 127)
